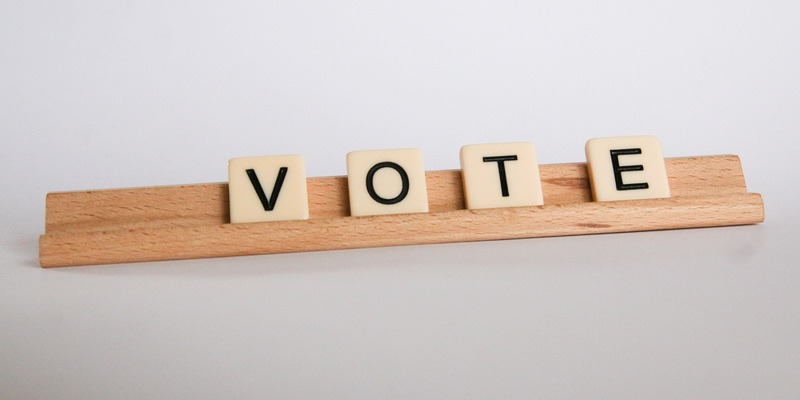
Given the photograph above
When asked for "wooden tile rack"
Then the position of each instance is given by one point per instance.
(191, 221)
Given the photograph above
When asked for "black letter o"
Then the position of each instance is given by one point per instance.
(371, 188)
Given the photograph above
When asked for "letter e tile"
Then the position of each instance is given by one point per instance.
(386, 182)
(501, 175)
(626, 168)
(267, 188)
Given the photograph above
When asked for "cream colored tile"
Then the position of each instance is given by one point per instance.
(501, 175)
(386, 182)
(268, 188)
(626, 168)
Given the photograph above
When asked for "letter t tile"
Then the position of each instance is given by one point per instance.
(501, 175)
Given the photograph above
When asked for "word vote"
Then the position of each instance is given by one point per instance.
(271, 188)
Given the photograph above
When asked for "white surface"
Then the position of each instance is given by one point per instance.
(114, 94)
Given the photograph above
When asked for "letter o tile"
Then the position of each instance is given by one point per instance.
(386, 182)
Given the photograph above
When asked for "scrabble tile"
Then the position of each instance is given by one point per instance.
(268, 188)
(386, 182)
(626, 168)
(501, 175)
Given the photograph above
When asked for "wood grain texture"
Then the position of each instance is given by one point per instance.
(182, 222)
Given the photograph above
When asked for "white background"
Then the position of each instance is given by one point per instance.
(106, 94)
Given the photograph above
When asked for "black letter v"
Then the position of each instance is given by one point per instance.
(269, 204)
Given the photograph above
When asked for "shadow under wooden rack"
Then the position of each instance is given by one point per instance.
(192, 221)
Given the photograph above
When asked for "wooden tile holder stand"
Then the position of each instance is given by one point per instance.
(191, 221)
